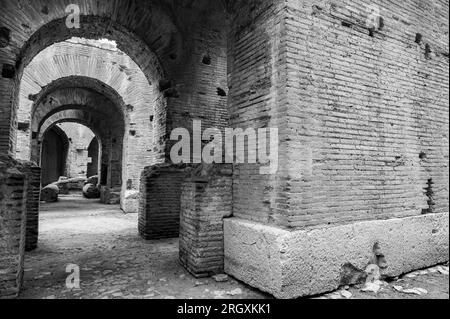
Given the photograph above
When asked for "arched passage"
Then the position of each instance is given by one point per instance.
(83, 70)
(100, 123)
(185, 67)
(55, 146)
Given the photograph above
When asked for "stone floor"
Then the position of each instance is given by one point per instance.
(116, 263)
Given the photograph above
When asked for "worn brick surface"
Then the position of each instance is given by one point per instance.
(159, 203)
(205, 202)
(13, 207)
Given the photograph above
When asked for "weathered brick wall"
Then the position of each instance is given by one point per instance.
(367, 113)
(33, 174)
(257, 79)
(205, 202)
(159, 203)
(362, 114)
(13, 188)
(198, 78)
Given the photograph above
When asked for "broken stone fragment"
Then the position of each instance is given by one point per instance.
(371, 287)
(92, 180)
(221, 278)
(235, 292)
(91, 191)
(346, 294)
(49, 194)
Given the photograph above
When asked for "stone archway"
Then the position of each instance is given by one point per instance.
(187, 69)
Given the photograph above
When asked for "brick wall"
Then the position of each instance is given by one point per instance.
(257, 99)
(367, 113)
(362, 114)
(159, 203)
(33, 174)
(13, 187)
(205, 201)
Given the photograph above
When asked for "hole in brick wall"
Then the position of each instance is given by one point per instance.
(129, 184)
(5, 37)
(152, 118)
(418, 39)
(429, 192)
(8, 71)
(206, 60)
(130, 108)
(45, 10)
(221, 92)
(316, 10)
(171, 93)
(346, 24)
(23, 126)
(372, 32)
(422, 155)
(34, 135)
(381, 23)
(427, 51)
(133, 133)
(164, 85)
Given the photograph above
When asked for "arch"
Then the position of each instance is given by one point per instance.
(110, 140)
(62, 66)
(113, 22)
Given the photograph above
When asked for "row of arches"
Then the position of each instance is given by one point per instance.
(131, 72)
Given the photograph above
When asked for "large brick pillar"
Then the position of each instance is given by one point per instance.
(205, 202)
(13, 187)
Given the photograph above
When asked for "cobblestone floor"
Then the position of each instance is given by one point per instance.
(116, 263)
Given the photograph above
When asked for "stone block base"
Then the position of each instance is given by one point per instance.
(311, 261)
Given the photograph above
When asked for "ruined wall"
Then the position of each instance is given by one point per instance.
(367, 110)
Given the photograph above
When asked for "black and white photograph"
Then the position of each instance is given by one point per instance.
(224, 157)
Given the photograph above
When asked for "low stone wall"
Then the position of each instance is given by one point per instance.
(13, 187)
(290, 264)
(205, 201)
